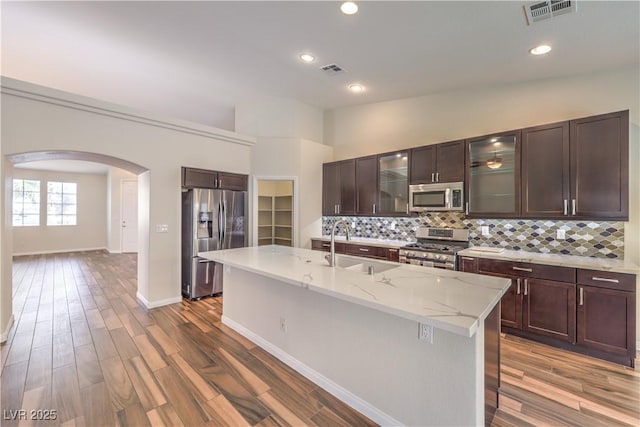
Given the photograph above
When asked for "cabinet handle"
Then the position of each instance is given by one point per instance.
(393, 250)
(581, 296)
(215, 184)
(604, 279)
(528, 270)
(437, 176)
(566, 207)
(573, 206)
(433, 177)
(466, 208)
(526, 287)
(335, 209)
(219, 182)
(518, 286)
(407, 208)
(363, 249)
(374, 208)
(467, 258)
(338, 208)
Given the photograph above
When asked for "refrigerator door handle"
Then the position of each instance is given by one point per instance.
(219, 225)
(224, 223)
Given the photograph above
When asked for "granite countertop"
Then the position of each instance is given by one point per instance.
(591, 263)
(450, 300)
(366, 241)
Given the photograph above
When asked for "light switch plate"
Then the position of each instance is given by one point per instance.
(484, 229)
(560, 234)
(162, 228)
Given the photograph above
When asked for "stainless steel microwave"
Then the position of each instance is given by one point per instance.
(446, 196)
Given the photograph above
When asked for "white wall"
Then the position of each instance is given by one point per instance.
(387, 126)
(6, 239)
(279, 117)
(37, 119)
(90, 231)
(115, 177)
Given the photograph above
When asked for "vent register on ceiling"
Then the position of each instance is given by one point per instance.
(542, 10)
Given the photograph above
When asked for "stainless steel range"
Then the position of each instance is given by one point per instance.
(436, 247)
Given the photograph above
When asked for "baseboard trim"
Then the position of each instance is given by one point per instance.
(60, 251)
(114, 251)
(5, 333)
(154, 304)
(336, 390)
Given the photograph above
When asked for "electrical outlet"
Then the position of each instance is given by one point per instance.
(560, 234)
(484, 229)
(425, 333)
(392, 226)
(283, 324)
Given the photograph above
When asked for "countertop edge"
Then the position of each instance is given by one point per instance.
(571, 261)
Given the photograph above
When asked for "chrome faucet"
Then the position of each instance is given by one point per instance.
(331, 256)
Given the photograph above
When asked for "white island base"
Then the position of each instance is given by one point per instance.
(369, 359)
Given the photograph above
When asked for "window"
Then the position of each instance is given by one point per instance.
(61, 203)
(26, 202)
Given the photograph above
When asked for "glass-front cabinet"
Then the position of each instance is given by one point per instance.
(393, 183)
(493, 171)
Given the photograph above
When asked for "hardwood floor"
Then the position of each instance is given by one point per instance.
(83, 347)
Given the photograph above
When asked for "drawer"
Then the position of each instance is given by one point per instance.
(321, 245)
(525, 269)
(393, 254)
(367, 251)
(607, 279)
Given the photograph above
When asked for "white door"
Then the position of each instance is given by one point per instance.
(129, 209)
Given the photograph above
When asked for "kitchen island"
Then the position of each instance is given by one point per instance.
(357, 334)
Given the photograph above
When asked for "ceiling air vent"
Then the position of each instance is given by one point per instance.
(332, 69)
(541, 10)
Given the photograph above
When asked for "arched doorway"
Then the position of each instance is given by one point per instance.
(27, 157)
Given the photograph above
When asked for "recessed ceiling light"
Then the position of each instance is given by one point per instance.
(494, 139)
(356, 88)
(307, 57)
(540, 50)
(349, 8)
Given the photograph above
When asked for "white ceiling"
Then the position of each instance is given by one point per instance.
(196, 60)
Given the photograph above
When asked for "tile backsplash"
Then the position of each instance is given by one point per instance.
(585, 238)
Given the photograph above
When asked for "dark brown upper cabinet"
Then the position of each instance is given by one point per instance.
(339, 188)
(438, 163)
(545, 171)
(599, 152)
(393, 183)
(366, 185)
(492, 183)
(577, 169)
(203, 178)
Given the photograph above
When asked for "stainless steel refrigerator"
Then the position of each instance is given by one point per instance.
(211, 220)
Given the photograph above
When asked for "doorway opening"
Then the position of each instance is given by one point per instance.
(69, 207)
(275, 203)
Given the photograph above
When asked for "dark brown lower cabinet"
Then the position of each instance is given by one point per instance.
(549, 308)
(587, 311)
(365, 251)
(606, 320)
(511, 306)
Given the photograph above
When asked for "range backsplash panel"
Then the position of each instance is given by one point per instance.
(583, 238)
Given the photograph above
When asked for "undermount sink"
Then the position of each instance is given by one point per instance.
(344, 262)
(377, 267)
(361, 265)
